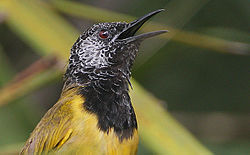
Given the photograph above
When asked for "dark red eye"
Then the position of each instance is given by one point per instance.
(104, 34)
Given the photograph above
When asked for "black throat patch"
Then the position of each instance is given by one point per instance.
(108, 98)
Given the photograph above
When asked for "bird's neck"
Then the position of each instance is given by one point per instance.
(106, 95)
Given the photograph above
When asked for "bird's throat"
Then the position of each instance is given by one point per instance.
(109, 99)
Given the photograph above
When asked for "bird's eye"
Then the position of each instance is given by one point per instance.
(103, 34)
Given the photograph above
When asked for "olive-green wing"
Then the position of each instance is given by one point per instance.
(54, 129)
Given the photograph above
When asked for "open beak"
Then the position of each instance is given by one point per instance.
(128, 33)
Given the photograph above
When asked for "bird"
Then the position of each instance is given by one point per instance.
(94, 114)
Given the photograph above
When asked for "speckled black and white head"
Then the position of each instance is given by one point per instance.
(106, 50)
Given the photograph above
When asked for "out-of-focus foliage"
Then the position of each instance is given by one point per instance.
(168, 144)
(188, 78)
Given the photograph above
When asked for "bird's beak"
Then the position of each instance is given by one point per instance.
(128, 33)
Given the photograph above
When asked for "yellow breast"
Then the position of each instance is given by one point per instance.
(87, 138)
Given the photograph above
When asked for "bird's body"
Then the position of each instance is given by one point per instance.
(69, 129)
(94, 114)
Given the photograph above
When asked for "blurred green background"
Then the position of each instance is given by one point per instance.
(205, 85)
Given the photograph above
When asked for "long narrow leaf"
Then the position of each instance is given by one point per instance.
(39, 73)
(190, 38)
(159, 130)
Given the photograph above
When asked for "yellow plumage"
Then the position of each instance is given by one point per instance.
(69, 129)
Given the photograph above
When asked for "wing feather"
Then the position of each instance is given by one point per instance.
(54, 129)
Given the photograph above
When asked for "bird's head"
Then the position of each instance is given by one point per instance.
(107, 49)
